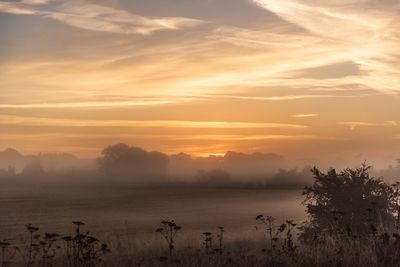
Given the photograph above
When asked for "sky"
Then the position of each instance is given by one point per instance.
(305, 79)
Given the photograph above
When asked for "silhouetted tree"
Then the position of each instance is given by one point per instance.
(349, 203)
(123, 161)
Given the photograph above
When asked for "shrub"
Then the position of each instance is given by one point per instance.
(348, 203)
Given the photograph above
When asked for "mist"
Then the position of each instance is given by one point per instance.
(124, 165)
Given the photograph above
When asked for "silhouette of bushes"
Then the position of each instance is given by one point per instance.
(348, 203)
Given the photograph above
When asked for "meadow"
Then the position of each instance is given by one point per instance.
(344, 219)
(130, 211)
(126, 218)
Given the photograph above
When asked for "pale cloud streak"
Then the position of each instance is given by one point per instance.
(35, 2)
(366, 37)
(304, 115)
(256, 137)
(271, 57)
(12, 8)
(84, 15)
(14, 120)
(94, 104)
(355, 124)
(101, 18)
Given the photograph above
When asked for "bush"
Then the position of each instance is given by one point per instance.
(349, 203)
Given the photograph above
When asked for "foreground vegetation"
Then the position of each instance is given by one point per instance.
(354, 221)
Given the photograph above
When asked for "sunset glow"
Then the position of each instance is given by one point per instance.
(301, 78)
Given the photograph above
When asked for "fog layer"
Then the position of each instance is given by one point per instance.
(122, 164)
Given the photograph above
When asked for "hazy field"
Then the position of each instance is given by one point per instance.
(112, 214)
(126, 219)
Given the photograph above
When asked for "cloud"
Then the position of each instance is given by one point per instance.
(13, 8)
(354, 124)
(84, 15)
(273, 38)
(316, 18)
(337, 70)
(107, 19)
(367, 38)
(35, 2)
(256, 137)
(304, 115)
(93, 104)
(217, 58)
(294, 96)
(15, 120)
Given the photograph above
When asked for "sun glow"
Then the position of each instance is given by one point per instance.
(289, 76)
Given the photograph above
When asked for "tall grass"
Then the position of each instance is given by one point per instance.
(51, 249)
(277, 245)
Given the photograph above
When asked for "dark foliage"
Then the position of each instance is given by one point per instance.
(134, 163)
(49, 249)
(348, 203)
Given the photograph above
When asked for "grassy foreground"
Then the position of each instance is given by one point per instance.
(354, 221)
(275, 245)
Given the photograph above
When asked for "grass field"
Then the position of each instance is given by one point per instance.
(126, 220)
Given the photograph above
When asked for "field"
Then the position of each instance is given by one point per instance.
(128, 212)
(126, 218)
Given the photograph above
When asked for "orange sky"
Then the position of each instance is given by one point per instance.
(304, 79)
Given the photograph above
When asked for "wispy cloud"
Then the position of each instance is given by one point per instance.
(93, 104)
(13, 8)
(85, 15)
(304, 115)
(366, 37)
(35, 2)
(107, 19)
(256, 137)
(316, 18)
(221, 57)
(294, 97)
(194, 137)
(15, 120)
(355, 124)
